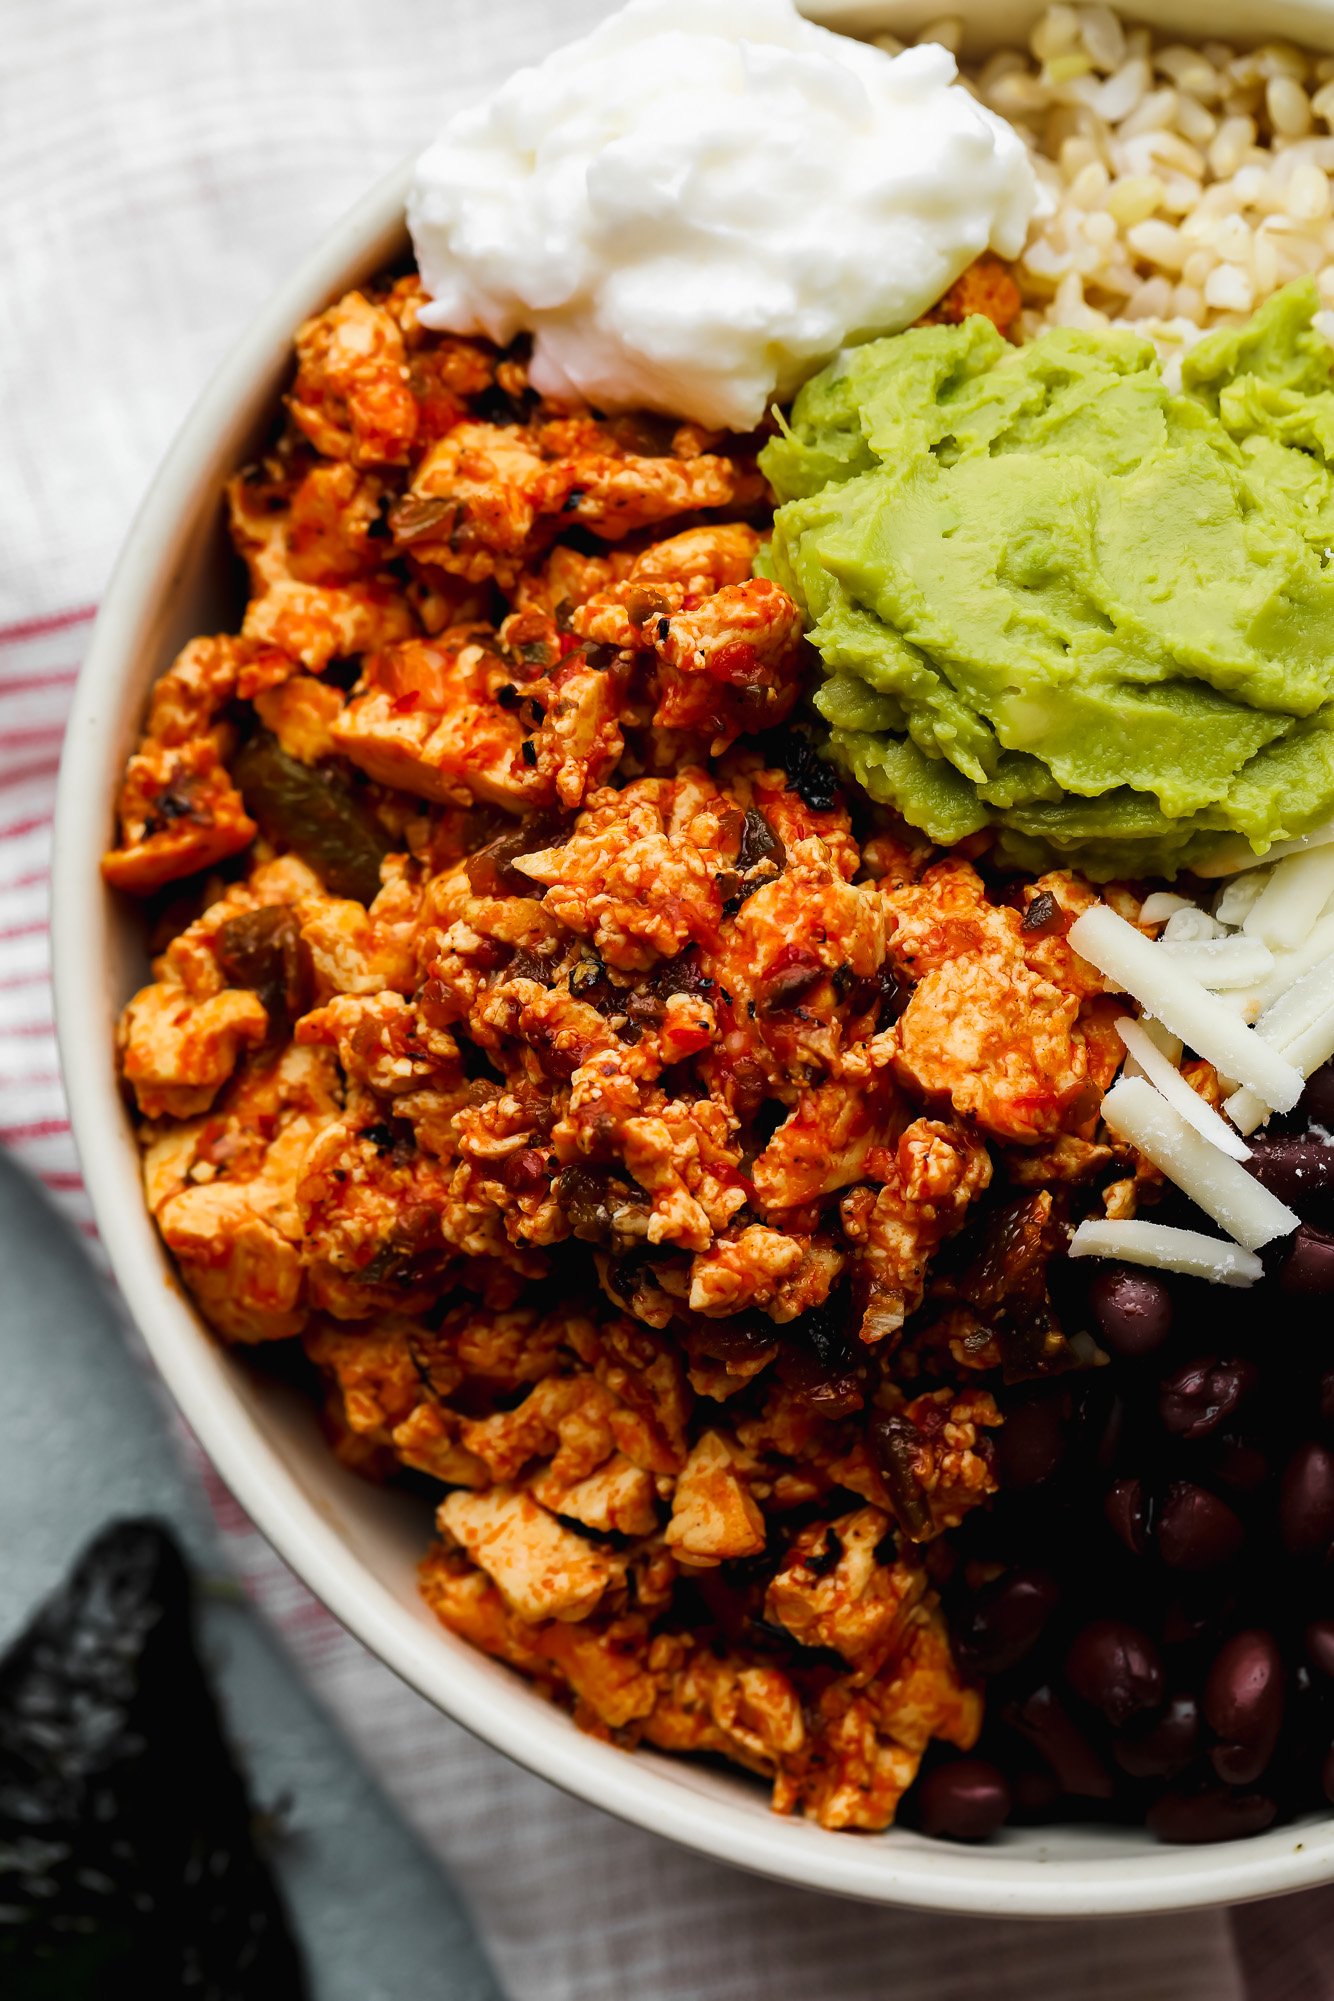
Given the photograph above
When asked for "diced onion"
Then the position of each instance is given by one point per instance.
(1292, 899)
(1218, 1185)
(1168, 1079)
(1164, 990)
(1167, 1249)
(1222, 964)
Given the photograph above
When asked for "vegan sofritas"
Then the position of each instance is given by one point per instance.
(554, 1056)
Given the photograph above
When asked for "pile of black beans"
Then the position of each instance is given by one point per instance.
(1150, 1599)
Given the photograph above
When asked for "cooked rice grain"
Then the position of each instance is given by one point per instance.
(1183, 184)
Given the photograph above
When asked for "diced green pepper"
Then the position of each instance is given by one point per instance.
(312, 812)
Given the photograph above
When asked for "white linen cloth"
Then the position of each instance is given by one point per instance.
(162, 163)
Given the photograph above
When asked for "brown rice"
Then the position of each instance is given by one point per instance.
(1185, 184)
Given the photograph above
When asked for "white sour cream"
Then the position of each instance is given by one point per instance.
(698, 204)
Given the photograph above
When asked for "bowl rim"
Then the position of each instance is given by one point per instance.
(1036, 1879)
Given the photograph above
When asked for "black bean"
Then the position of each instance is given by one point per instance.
(1319, 1640)
(1126, 1511)
(1035, 1792)
(1199, 1396)
(1308, 1270)
(1104, 1428)
(1132, 1309)
(1243, 1705)
(1293, 1167)
(1031, 1443)
(966, 1800)
(1005, 1621)
(1160, 1747)
(1306, 1501)
(1192, 1616)
(1047, 1724)
(1318, 1097)
(1304, 1738)
(1115, 1668)
(1214, 1814)
(1196, 1531)
(1239, 1463)
(1185, 1665)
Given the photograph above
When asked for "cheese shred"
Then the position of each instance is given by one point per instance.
(1165, 1077)
(1163, 1248)
(1166, 991)
(1218, 1185)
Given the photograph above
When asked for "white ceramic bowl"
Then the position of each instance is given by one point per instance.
(355, 1547)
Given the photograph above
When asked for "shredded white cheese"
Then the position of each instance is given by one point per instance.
(1289, 967)
(1293, 1012)
(1167, 1249)
(1263, 955)
(1168, 1079)
(1245, 1003)
(1191, 924)
(1238, 895)
(1162, 904)
(1311, 1047)
(1297, 1026)
(1292, 899)
(1162, 1038)
(1245, 1110)
(1222, 963)
(1188, 1009)
(1220, 1186)
(1235, 856)
(1315, 1045)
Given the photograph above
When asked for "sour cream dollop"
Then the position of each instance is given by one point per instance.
(699, 203)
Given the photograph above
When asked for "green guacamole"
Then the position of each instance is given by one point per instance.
(1054, 597)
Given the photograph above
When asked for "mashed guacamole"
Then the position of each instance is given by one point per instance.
(1054, 597)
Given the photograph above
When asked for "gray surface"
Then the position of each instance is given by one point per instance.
(82, 1439)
